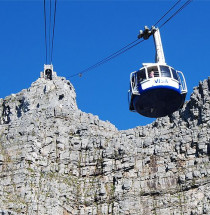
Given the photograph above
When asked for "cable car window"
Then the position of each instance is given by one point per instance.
(153, 71)
(174, 74)
(165, 71)
(141, 75)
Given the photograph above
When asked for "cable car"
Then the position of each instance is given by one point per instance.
(157, 89)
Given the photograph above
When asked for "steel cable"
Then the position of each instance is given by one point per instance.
(49, 31)
(53, 31)
(179, 10)
(167, 12)
(45, 21)
(50, 28)
(127, 47)
(107, 59)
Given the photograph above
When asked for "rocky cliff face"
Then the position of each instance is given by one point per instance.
(56, 159)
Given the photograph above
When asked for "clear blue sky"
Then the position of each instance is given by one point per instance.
(88, 31)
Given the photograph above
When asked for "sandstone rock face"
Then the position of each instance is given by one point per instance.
(56, 159)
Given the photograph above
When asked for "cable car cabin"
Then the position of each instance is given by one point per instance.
(156, 90)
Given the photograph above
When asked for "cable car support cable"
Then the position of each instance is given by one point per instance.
(167, 12)
(179, 10)
(50, 27)
(45, 23)
(49, 30)
(53, 30)
(129, 46)
(110, 57)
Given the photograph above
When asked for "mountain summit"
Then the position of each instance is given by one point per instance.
(56, 159)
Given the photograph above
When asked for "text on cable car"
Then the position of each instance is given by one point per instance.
(161, 81)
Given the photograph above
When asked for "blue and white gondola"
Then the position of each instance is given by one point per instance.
(156, 90)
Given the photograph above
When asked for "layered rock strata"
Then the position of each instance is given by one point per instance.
(56, 159)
